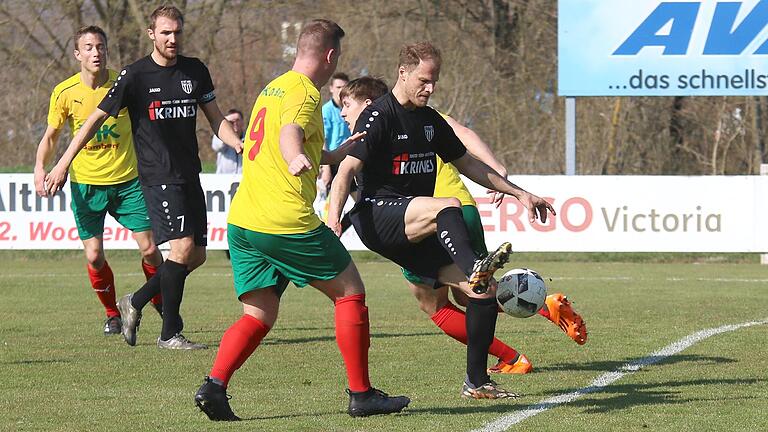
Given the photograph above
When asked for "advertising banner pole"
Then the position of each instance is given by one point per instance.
(570, 136)
(764, 171)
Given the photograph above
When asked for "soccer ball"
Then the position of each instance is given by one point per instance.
(521, 292)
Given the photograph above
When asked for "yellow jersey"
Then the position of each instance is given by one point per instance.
(448, 184)
(108, 158)
(269, 199)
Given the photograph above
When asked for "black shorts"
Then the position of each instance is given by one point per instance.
(177, 211)
(380, 224)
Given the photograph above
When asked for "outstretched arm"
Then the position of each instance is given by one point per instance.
(482, 174)
(221, 126)
(349, 167)
(55, 179)
(336, 156)
(480, 150)
(476, 146)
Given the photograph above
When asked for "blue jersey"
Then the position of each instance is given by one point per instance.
(336, 129)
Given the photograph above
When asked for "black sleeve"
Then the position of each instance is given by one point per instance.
(117, 97)
(449, 146)
(374, 123)
(206, 86)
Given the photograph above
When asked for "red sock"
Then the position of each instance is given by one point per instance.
(103, 283)
(354, 338)
(452, 321)
(237, 344)
(149, 271)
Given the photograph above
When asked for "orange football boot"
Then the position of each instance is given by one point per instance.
(562, 315)
(521, 366)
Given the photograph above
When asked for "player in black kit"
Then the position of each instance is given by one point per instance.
(398, 217)
(163, 92)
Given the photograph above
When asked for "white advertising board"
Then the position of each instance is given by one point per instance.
(594, 214)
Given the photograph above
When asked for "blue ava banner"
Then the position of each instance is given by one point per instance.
(662, 48)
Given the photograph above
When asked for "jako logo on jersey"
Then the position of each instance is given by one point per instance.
(186, 85)
(724, 37)
(154, 90)
(429, 132)
(402, 164)
(158, 112)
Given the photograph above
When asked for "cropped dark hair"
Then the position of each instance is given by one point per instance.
(340, 76)
(363, 88)
(91, 29)
(167, 11)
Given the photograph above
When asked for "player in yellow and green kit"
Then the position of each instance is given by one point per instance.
(275, 237)
(361, 92)
(104, 178)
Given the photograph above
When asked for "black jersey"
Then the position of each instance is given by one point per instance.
(162, 102)
(399, 148)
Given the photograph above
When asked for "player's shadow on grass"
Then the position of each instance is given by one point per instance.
(290, 340)
(312, 415)
(504, 406)
(612, 365)
(297, 340)
(622, 396)
(604, 399)
(31, 362)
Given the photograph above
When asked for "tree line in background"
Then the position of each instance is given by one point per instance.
(499, 77)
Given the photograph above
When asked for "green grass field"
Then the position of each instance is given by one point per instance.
(60, 373)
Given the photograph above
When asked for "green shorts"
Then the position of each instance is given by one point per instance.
(476, 238)
(124, 201)
(262, 260)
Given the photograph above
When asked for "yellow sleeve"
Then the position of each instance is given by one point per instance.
(299, 106)
(57, 110)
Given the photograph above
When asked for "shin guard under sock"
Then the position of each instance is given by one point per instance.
(149, 272)
(353, 338)
(454, 237)
(237, 344)
(150, 289)
(452, 322)
(172, 277)
(103, 283)
(481, 325)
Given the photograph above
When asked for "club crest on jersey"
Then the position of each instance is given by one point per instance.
(186, 85)
(429, 132)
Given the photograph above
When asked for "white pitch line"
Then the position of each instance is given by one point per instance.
(507, 421)
(668, 279)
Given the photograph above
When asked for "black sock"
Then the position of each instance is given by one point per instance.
(453, 235)
(172, 286)
(150, 289)
(481, 326)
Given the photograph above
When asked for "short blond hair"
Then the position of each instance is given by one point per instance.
(318, 36)
(412, 54)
